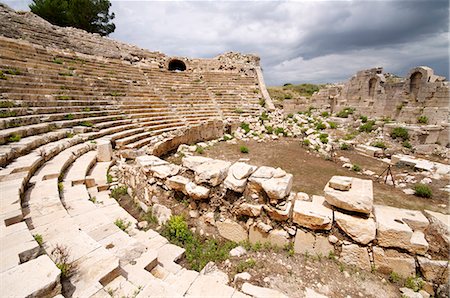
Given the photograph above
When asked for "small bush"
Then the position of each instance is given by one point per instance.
(422, 120)
(7, 114)
(245, 265)
(379, 144)
(177, 230)
(87, 124)
(394, 277)
(109, 178)
(2, 76)
(14, 138)
(422, 190)
(57, 61)
(350, 136)
(122, 224)
(39, 239)
(345, 112)
(264, 116)
(61, 257)
(244, 149)
(7, 104)
(13, 71)
(356, 168)
(363, 119)
(367, 127)
(333, 125)
(400, 133)
(325, 114)
(280, 130)
(320, 126)
(415, 283)
(269, 129)
(246, 127)
(199, 150)
(306, 142)
(287, 96)
(344, 146)
(227, 137)
(117, 192)
(239, 111)
(262, 102)
(69, 117)
(407, 144)
(323, 137)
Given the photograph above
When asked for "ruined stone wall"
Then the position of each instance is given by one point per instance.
(374, 93)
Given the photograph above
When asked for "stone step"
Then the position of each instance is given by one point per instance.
(36, 278)
(10, 204)
(99, 173)
(77, 172)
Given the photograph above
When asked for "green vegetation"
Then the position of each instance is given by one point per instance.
(351, 135)
(118, 192)
(7, 114)
(401, 133)
(269, 129)
(7, 104)
(244, 149)
(246, 127)
(122, 224)
(345, 112)
(344, 146)
(199, 251)
(245, 265)
(280, 130)
(199, 149)
(325, 114)
(332, 125)
(288, 96)
(306, 142)
(12, 71)
(90, 15)
(262, 102)
(14, 138)
(422, 119)
(86, 109)
(227, 137)
(2, 76)
(38, 238)
(64, 97)
(69, 117)
(320, 126)
(394, 277)
(306, 90)
(367, 127)
(86, 123)
(264, 116)
(60, 187)
(61, 259)
(379, 144)
(70, 135)
(407, 144)
(239, 111)
(57, 61)
(323, 137)
(422, 190)
(363, 119)
(66, 74)
(356, 168)
(415, 283)
(150, 218)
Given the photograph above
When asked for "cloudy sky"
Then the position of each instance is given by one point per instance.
(298, 41)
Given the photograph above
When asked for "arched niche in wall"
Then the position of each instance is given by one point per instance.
(176, 65)
(372, 87)
(414, 83)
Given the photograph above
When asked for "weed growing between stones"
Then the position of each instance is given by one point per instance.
(401, 133)
(38, 238)
(244, 149)
(61, 257)
(422, 120)
(394, 277)
(199, 150)
(122, 224)
(14, 138)
(415, 283)
(199, 251)
(422, 190)
(379, 144)
(245, 265)
(119, 191)
(344, 146)
(356, 168)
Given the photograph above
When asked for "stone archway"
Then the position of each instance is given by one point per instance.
(372, 85)
(177, 65)
(414, 83)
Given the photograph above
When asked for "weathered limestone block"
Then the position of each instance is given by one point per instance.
(241, 170)
(104, 150)
(280, 213)
(197, 192)
(389, 260)
(278, 188)
(434, 271)
(439, 225)
(359, 198)
(362, 230)
(276, 237)
(162, 213)
(164, 171)
(260, 292)
(251, 210)
(401, 228)
(237, 185)
(177, 183)
(264, 172)
(356, 255)
(322, 246)
(212, 172)
(370, 150)
(304, 242)
(232, 231)
(312, 215)
(340, 182)
(146, 161)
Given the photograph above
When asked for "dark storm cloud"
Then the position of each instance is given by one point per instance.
(298, 41)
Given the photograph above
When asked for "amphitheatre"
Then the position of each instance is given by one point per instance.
(129, 173)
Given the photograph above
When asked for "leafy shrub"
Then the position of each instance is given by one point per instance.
(177, 230)
(400, 132)
(306, 142)
(245, 126)
(367, 127)
(363, 119)
(345, 112)
(379, 144)
(320, 126)
(69, 117)
(344, 146)
(12, 71)
(415, 283)
(280, 130)
(119, 191)
(269, 129)
(244, 149)
(264, 116)
(332, 125)
(356, 168)
(422, 190)
(14, 138)
(245, 265)
(407, 144)
(61, 258)
(87, 124)
(323, 137)
(199, 149)
(394, 277)
(422, 119)
(325, 114)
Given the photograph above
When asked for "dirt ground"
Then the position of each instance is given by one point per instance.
(312, 172)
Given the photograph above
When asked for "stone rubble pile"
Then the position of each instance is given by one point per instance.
(265, 210)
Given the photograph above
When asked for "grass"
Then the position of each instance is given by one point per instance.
(422, 190)
(70, 135)
(350, 136)
(394, 277)
(407, 144)
(61, 257)
(227, 137)
(344, 146)
(12, 71)
(262, 102)
(238, 111)
(109, 178)
(244, 149)
(7, 104)
(422, 119)
(199, 150)
(39, 239)
(14, 138)
(306, 142)
(269, 129)
(2, 76)
(246, 127)
(150, 218)
(69, 117)
(332, 125)
(363, 118)
(325, 114)
(86, 123)
(415, 283)
(345, 112)
(367, 127)
(199, 251)
(60, 187)
(66, 74)
(280, 130)
(356, 168)
(57, 61)
(323, 137)
(64, 97)
(320, 126)
(122, 224)
(119, 191)
(400, 133)
(7, 114)
(86, 109)
(245, 265)
(379, 144)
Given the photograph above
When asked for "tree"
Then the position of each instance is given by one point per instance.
(90, 15)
